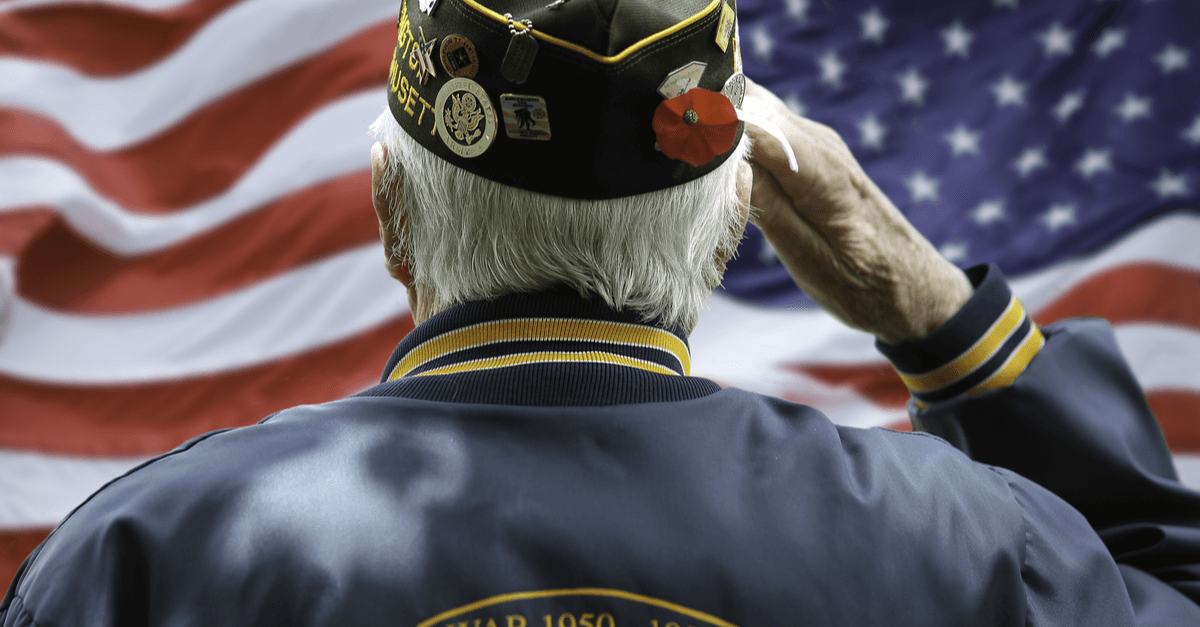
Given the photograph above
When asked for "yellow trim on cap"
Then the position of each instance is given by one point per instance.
(974, 357)
(588, 53)
(582, 592)
(535, 329)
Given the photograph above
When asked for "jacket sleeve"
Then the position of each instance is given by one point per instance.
(1061, 408)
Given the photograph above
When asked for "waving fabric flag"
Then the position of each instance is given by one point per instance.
(187, 243)
(187, 231)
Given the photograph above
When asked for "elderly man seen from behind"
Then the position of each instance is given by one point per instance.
(559, 187)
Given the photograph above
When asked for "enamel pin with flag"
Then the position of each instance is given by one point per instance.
(423, 55)
(525, 117)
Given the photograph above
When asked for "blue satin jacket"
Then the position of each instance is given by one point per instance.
(545, 461)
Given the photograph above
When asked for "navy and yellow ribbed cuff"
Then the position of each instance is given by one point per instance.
(984, 346)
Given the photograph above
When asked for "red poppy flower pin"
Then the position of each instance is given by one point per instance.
(696, 126)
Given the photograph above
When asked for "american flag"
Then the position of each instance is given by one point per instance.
(187, 242)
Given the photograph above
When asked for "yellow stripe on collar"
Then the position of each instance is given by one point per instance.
(533, 329)
(595, 357)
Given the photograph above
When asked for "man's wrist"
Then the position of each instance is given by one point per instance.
(984, 346)
(933, 294)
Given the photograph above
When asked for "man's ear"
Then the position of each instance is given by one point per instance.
(397, 265)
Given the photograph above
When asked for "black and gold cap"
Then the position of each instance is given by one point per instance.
(584, 99)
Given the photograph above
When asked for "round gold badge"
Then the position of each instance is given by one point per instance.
(465, 119)
(458, 56)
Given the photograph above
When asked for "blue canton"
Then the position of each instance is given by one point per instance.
(1016, 133)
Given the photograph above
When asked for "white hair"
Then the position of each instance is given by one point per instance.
(470, 238)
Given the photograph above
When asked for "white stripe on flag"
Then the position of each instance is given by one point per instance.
(144, 5)
(327, 144)
(1170, 240)
(311, 306)
(1161, 356)
(1188, 467)
(40, 489)
(245, 43)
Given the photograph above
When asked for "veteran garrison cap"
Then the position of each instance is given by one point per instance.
(579, 98)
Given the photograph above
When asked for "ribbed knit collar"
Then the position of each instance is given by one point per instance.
(546, 348)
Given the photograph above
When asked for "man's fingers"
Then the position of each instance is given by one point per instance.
(772, 207)
(761, 101)
(797, 243)
(765, 105)
(766, 150)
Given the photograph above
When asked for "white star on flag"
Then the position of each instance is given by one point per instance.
(1057, 40)
(1110, 40)
(871, 132)
(1168, 184)
(1094, 161)
(798, 9)
(954, 251)
(1008, 91)
(912, 86)
(958, 39)
(1058, 216)
(1031, 159)
(962, 141)
(1192, 133)
(922, 187)
(1172, 58)
(795, 105)
(873, 25)
(832, 69)
(766, 254)
(1133, 107)
(988, 211)
(763, 42)
(1068, 105)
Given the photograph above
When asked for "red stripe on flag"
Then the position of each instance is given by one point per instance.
(212, 148)
(878, 383)
(152, 418)
(1132, 293)
(1178, 412)
(19, 228)
(102, 40)
(15, 546)
(63, 271)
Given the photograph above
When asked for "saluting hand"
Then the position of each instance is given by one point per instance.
(844, 243)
